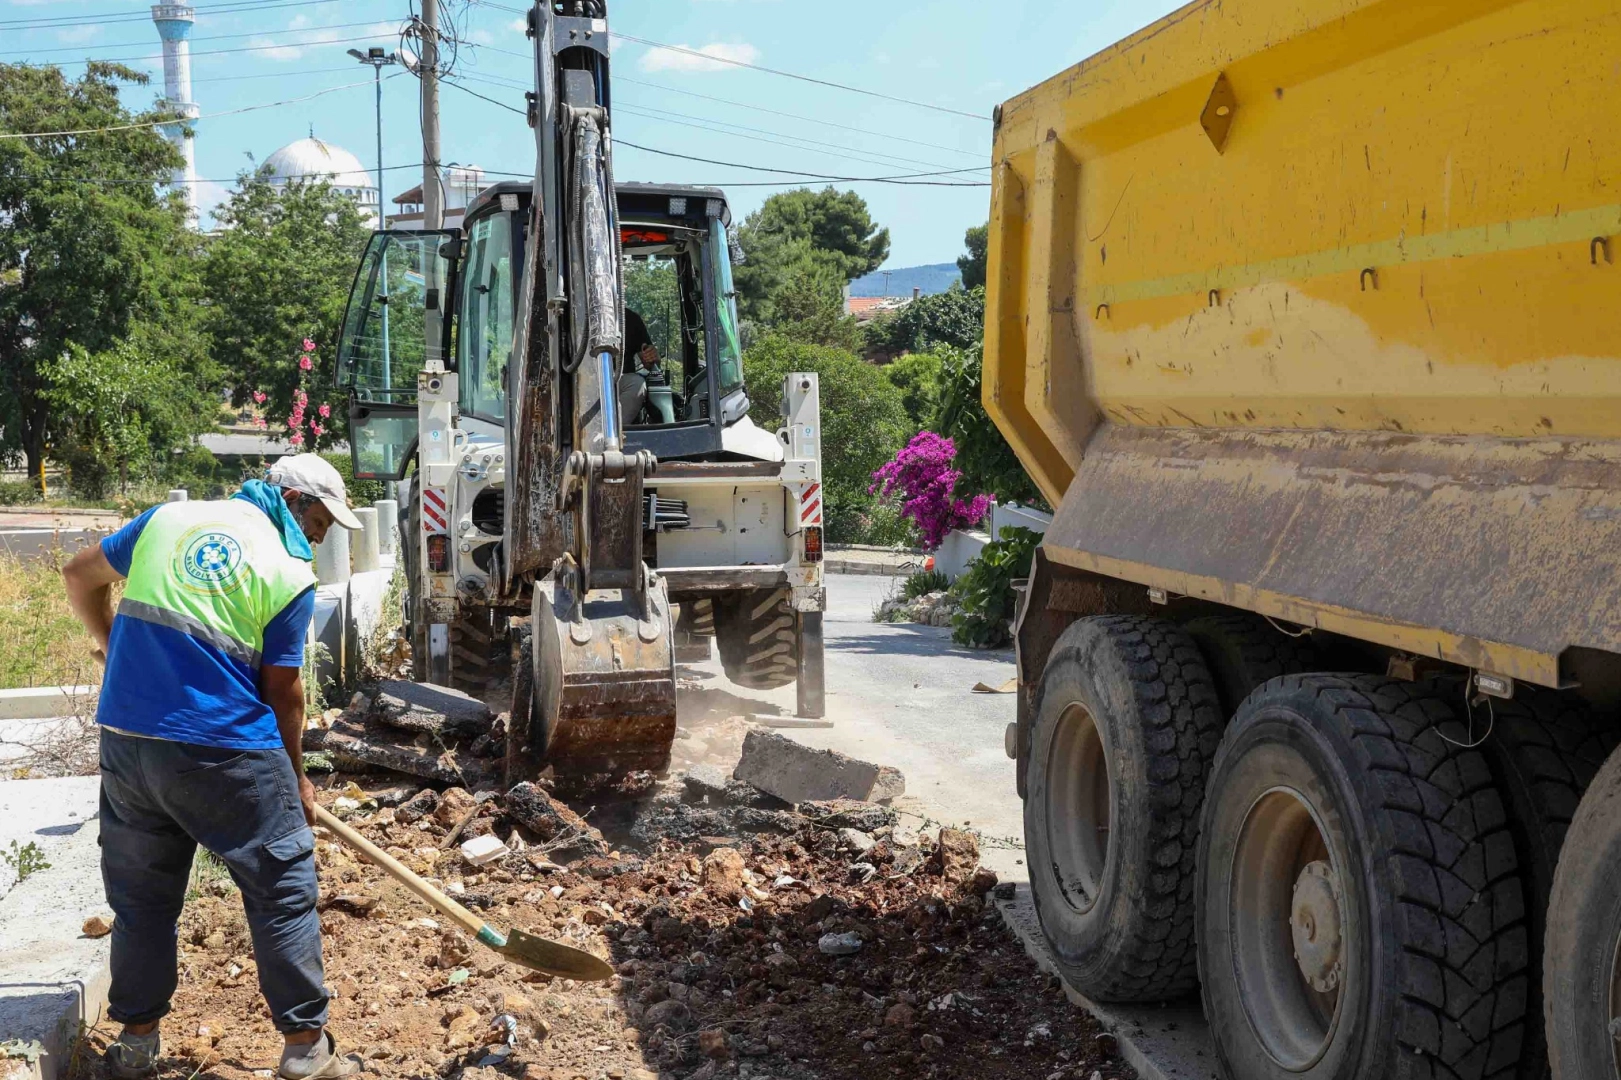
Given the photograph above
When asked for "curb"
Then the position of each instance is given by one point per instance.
(55, 979)
(1170, 1042)
(42, 702)
(870, 569)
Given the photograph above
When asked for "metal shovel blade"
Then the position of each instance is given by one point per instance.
(554, 958)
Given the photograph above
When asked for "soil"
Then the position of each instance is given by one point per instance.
(717, 938)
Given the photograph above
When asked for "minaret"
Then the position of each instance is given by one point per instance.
(174, 27)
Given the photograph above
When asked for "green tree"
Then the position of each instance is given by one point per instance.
(955, 317)
(90, 245)
(917, 376)
(811, 310)
(987, 462)
(829, 233)
(972, 262)
(863, 422)
(279, 272)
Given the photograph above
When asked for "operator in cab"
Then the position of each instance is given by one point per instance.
(202, 725)
(644, 384)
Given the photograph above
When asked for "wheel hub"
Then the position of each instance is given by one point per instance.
(1314, 921)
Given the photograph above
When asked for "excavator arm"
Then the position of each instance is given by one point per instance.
(602, 678)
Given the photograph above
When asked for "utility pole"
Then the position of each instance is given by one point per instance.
(433, 199)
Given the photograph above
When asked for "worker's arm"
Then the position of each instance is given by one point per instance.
(89, 579)
(283, 690)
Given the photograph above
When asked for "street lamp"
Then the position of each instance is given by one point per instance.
(378, 58)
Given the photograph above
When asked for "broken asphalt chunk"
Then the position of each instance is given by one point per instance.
(424, 707)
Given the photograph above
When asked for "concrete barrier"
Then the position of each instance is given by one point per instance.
(388, 523)
(40, 702)
(332, 557)
(366, 545)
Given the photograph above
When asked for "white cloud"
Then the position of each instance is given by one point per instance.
(519, 26)
(313, 38)
(669, 60)
(75, 35)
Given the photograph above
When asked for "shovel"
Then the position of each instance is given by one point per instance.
(525, 950)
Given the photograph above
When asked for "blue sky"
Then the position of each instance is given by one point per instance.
(947, 53)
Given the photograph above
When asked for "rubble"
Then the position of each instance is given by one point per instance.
(484, 849)
(562, 833)
(797, 773)
(424, 707)
(930, 609)
(850, 814)
(712, 785)
(839, 944)
(98, 926)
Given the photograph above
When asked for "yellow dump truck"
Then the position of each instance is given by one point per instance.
(1306, 316)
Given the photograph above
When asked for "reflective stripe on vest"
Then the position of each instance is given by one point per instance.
(215, 571)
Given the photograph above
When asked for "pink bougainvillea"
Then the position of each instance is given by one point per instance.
(922, 478)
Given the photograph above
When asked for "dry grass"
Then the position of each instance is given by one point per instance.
(41, 643)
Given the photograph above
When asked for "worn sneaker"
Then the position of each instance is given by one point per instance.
(316, 1061)
(132, 1057)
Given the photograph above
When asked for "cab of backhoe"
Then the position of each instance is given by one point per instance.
(455, 294)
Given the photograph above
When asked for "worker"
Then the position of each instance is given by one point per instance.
(642, 370)
(202, 721)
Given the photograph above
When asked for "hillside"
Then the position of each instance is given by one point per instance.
(934, 278)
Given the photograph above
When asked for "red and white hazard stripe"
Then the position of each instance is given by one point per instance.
(435, 512)
(810, 505)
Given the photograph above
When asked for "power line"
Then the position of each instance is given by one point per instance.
(796, 116)
(905, 179)
(705, 123)
(221, 52)
(207, 37)
(229, 180)
(756, 67)
(68, 21)
(181, 119)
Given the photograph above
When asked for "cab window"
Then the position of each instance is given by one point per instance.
(384, 340)
(729, 350)
(487, 318)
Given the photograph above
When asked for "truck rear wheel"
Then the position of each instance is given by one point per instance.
(755, 631)
(1544, 748)
(1361, 913)
(1581, 967)
(1125, 728)
(1244, 651)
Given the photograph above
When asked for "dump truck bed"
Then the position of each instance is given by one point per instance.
(1311, 307)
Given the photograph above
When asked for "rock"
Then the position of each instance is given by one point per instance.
(932, 1043)
(796, 773)
(714, 1044)
(484, 849)
(957, 855)
(1005, 891)
(780, 970)
(98, 926)
(354, 904)
(215, 940)
(461, 1017)
(855, 838)
(455, 804)
(712, 785)
(368, 742)
(673, 1015)
(551, 821)
(424, 707)
(417, 807)
(983, 881)
(846, 944)
(900, 1015)
(820, 907)
(850, 814)
(723, 873)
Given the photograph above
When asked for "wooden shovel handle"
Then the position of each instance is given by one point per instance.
(440, 902)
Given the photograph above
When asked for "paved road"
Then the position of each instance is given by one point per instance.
(901, 694)
(27, 533)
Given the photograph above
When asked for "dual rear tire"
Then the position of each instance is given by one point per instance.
(1339, 879)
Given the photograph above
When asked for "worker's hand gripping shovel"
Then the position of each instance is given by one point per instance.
(526, 950)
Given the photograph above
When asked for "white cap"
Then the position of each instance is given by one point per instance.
(314, 475)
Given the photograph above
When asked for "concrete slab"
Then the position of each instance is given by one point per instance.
(1169, 1042)
(53, 979)
(797, 773)
(48, 813)
(36, 702)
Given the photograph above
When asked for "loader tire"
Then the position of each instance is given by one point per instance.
(1581, 968)
(1361, 909)
(1244, 651)
(702, 617)
(1127, 721)
(1544, 748)
(755, 631)
(477, 640)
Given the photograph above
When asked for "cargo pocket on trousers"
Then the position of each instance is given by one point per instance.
(292, 845)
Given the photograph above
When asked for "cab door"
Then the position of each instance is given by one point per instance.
(397, 303)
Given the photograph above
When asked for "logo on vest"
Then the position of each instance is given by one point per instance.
(212, 559)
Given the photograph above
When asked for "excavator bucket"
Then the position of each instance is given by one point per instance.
(600, 684)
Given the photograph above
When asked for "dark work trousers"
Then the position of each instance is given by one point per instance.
(159, 800)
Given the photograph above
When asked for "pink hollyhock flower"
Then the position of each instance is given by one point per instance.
(297, 440)
(325, 411)
(299, 397)
(318, 430)
(260, 422)
(259, 397)
(309, 346)
(305, 362)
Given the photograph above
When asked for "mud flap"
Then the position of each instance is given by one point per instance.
(604, 677)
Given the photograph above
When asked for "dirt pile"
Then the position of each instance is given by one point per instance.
(748, 942)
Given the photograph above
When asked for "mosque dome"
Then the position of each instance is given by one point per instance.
(311, 159)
